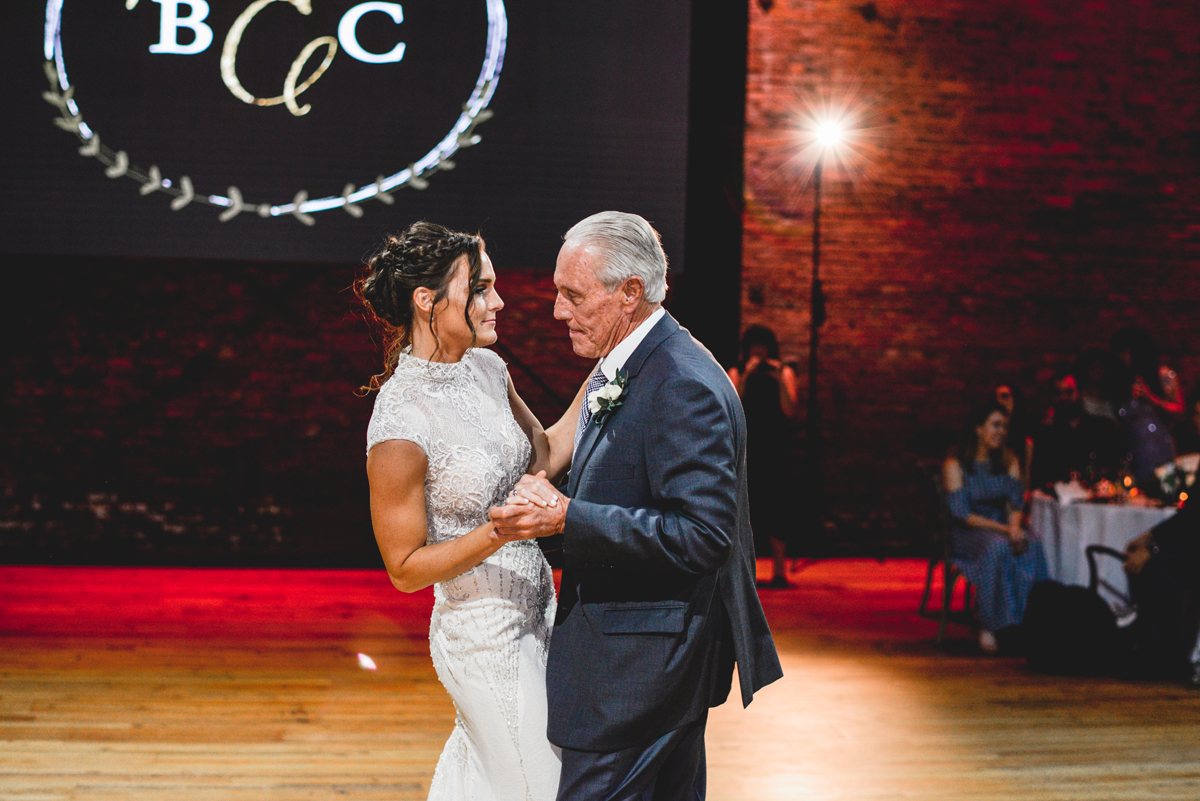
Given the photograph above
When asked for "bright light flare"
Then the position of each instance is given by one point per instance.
(366, 663)
(829, 133)
(839, 130)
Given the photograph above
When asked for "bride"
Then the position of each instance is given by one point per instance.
(449, 437)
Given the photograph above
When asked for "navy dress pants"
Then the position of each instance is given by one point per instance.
(670, 768)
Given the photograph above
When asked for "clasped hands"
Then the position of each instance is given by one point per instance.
(1018, 539)
(534, 508)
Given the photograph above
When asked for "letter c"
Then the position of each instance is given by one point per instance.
(290, 89)
(348, 37)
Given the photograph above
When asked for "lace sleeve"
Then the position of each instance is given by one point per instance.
(494, 368)
(395, 417)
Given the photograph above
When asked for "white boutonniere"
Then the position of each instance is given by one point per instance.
(609, 397)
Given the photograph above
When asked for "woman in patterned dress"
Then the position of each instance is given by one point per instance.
(449, 437)
(983, 486)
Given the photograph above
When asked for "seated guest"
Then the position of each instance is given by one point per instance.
(1019, 440)
(1164, 577)
(1095, 373)
(1150, 401)
(982, 479)
(1187, 433)
(1072, 442)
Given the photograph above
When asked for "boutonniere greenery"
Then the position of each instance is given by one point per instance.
(609, 397)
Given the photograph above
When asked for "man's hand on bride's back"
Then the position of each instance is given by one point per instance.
(534, 508)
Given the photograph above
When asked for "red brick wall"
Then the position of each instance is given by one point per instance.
(203, 413)
(1030, 185)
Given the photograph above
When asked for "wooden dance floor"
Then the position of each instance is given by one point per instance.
(151, 684)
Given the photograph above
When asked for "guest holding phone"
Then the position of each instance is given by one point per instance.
(767, 388)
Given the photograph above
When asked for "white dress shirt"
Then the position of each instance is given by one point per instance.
(620, 354)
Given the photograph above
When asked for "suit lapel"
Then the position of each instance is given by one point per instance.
(657, 335)
(591, 435)
(633, 365)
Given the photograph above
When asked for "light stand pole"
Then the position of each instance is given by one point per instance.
(812, 421)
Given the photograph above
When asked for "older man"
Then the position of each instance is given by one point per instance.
(658, 593)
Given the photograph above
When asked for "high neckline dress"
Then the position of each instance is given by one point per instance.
(490, 628)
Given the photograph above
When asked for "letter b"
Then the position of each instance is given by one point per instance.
(170, 22)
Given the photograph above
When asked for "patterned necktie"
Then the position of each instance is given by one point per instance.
(585, 414)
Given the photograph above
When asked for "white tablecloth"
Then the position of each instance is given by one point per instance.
(1067, 529)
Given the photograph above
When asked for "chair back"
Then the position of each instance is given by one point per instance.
(1094, 580)
(941, 554)
(943, 522)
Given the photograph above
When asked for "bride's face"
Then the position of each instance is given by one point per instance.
(480, 302)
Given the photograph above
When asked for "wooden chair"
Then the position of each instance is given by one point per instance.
(940, 553)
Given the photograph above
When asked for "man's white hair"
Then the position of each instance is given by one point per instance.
(627, 246)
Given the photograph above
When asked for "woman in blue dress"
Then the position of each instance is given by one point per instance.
(985, 494)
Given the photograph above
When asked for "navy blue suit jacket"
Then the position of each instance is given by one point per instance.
(658, 588)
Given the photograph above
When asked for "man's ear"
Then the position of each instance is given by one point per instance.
(423, 300)
(632, 291)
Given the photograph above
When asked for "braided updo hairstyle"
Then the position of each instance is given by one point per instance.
(423, 256)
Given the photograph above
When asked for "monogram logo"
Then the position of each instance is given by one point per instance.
(171, 23)
(184, 29)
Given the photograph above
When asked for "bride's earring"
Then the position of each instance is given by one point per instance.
(423, 303)
(423, 300)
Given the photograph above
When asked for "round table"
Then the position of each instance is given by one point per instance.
(1067, 529)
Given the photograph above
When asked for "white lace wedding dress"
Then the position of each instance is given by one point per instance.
(491, 625)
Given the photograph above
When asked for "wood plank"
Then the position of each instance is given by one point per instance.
(142, 684)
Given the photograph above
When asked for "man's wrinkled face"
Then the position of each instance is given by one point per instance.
(593, 314)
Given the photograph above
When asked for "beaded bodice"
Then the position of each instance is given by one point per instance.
(459, 415)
